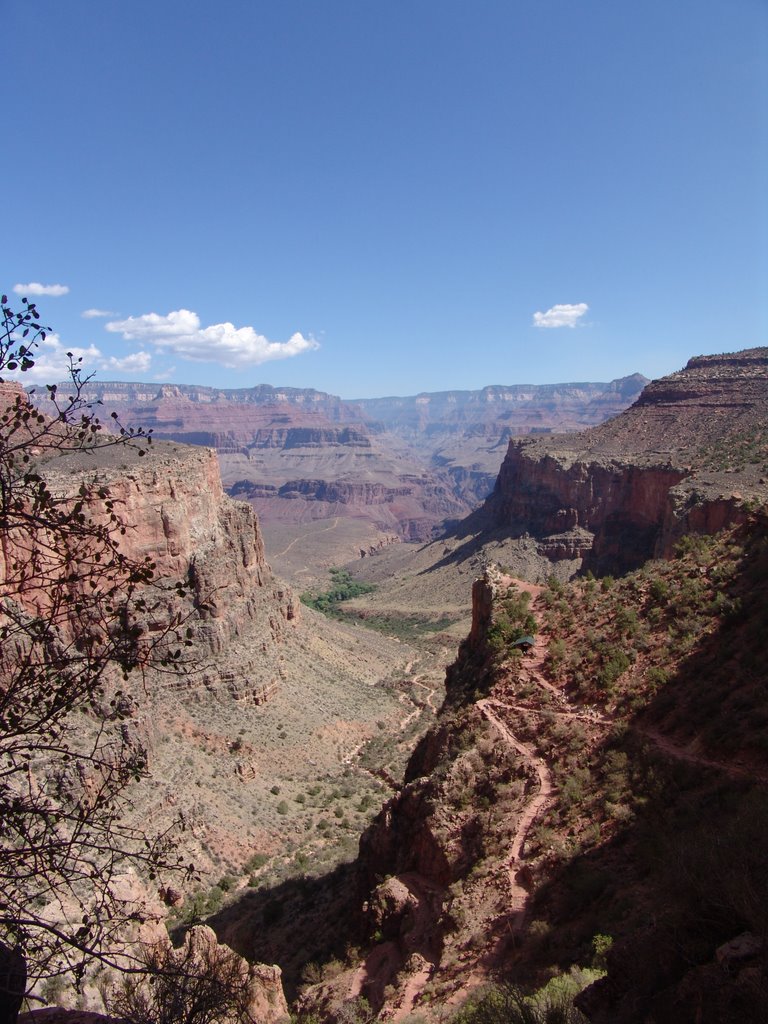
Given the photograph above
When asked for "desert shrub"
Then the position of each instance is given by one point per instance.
(627, 621)
(508, 1004)
(600, 946)
(311, 973)
(656, 677)
(556, 653)
(573, 789)
(659, 591)
(355, 1011)
(615, 662)
(513, 620)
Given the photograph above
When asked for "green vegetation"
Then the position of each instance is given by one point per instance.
(513, 620)
(201, 904)
(343, 588)
(737, 451)
(509, 1004)
(404, 627)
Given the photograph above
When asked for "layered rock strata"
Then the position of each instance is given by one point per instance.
(401, 464)
(683, 458)
(181, 518)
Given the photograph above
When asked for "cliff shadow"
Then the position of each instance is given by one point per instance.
(681, 875)
(300, 921)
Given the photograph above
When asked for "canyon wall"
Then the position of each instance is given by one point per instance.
(300, 455)
(686, 457)
(179, 516)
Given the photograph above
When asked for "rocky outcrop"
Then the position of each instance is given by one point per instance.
(682, 459)
(237, 611)
(265, 997)
(606, 512)
(214, 983)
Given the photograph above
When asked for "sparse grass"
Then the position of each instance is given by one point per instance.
(405, 627)
(736, 451)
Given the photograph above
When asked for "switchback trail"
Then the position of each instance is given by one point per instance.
(534, 807)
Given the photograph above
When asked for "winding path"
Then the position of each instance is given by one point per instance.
(535, 806)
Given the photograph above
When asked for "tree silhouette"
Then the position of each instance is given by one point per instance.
(77, 617)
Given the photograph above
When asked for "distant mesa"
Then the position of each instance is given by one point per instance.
(405, 465)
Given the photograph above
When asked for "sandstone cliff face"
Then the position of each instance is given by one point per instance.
(681, 459)
(518, 408)
(181, 518)
(606, 512)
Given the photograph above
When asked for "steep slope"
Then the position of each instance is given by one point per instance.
(684, 457)
(270, 700)
(606, 793)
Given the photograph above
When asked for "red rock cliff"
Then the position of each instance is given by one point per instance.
(179, 516)
(682, 458)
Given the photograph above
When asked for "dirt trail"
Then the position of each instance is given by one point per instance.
(431, 691)
(421, 703)
(671, 749)
(519, 894)
(308, 533)
(534, 589)
(383, 961)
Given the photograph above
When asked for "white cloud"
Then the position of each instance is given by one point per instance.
(52, 362)
(137, 362)
(562, 315)
(91, 314)
(233, 347)
(35, 288)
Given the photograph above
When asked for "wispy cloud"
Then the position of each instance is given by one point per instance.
(181, 332)
(561, 315)
(35, 288)
(92, 314)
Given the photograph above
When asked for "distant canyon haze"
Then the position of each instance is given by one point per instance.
(332, 479)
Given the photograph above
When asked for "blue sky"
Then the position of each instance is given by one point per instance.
(378, 198)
